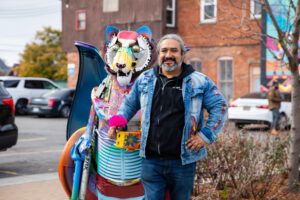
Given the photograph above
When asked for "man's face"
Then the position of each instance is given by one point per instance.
(170, 54)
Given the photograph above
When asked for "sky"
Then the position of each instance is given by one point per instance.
(19, 22)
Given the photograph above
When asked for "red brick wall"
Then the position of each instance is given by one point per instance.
(230, 36)
(242, 57)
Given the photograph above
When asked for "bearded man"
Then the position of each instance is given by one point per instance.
(172, 97)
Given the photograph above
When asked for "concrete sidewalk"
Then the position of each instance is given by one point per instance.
(32, 187)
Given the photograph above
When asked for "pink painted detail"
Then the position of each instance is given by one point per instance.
(217, 124)
(117, 121)
(128, 35)
(215, 91)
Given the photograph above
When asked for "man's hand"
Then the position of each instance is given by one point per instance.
(112, 132)
(194, 143)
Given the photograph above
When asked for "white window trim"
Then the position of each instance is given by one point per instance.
(218, 73)
(202, 13)
(252, 7)
(173, 9)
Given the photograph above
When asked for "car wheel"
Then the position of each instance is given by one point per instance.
(65, 111)
(21, 107)
(239, 125)
(283, 122)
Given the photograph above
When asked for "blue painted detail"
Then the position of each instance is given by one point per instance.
(144, 30)
(110, 31)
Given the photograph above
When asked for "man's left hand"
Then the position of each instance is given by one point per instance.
(194, 143)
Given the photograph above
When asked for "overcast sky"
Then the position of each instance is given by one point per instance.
(19, 22)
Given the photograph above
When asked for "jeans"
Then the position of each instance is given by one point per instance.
(159, 176)
(276, 116)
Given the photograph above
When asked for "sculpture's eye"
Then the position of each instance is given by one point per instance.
(115, 47)
(135, 48)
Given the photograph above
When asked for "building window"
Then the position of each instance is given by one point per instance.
(256, 8)
(170, 22)
(80, 20)
(196, 63)
(225, 77)
(110, 6)
(208, 11)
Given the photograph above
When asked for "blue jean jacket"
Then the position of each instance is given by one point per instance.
(198, 92)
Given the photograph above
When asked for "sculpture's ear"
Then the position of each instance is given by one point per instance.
(111, 31)
(145, 31)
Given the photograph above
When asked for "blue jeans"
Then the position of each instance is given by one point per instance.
(276, 115)
(161, 175)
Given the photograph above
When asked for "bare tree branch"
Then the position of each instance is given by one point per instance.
(281, 35)
(295, 36)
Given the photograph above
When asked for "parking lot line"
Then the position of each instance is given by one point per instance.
(31, 153)
(32, 139)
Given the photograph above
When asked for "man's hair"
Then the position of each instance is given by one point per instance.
(174, 37)
(275, 83)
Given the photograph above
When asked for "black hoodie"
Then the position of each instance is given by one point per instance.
(167, 116)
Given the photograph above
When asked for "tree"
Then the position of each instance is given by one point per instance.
(286, 34)
(44, 56)
(289, 43)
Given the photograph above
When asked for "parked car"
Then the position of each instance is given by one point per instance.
(253, 108)
(24, 88)
(53, 103)
(8, 128)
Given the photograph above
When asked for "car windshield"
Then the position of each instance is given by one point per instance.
(255, 95)
(56, 93)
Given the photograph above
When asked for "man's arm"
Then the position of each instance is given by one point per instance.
(216, 106)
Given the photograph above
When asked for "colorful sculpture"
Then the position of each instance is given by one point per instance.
(93, 166)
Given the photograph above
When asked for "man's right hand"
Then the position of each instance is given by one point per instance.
(112, 132)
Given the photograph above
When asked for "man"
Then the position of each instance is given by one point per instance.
(172, 97)
(274, 100)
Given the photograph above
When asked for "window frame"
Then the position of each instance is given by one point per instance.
(202, 12)
(77, 20)
(173, 10)
(219, 81)
(252, 10)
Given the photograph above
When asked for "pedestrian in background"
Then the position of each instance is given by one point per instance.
(172, 97)
(274, 99)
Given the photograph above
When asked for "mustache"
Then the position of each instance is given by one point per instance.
(166, 59)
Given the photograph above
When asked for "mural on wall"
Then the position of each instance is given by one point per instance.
(276, 65)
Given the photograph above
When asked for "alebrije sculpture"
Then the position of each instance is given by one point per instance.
(105, 168)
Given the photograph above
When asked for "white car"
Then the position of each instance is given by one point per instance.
(22, 89)
(253, 109)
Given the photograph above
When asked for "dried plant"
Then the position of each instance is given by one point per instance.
(241, 165)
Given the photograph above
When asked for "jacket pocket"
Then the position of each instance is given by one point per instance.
(196, 101)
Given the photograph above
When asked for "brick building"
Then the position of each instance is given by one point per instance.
(221, 34)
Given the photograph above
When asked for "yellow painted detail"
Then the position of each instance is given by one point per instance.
(120, 142)
(122, 58)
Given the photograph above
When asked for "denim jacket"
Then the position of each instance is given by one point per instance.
(198, 92)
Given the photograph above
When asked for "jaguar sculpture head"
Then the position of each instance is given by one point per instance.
(128, 53)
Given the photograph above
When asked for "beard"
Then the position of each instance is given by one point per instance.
(170, 69)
